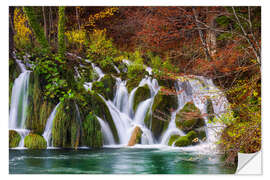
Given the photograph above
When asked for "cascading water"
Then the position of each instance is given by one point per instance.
(106, 131)
(47, 134)
(19, 101)
(195, 89)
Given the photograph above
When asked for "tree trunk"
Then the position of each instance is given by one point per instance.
(37, 29)
(61, 31)
(45, 23)
(211, 40)
(204, 44)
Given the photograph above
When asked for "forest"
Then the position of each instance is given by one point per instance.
(184, 77)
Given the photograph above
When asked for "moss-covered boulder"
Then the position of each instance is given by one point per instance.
(35, 141)
(66, 125)
(105, 87)
(189, 118)
(210, 109)
(135, 137)
(182, 141)
(38, 109)
(172, 139)
(201, 132)
(166, 83)
(14, 138)
(141, 94)
(92, 135)
(161, 110)
(90, 101)
(191, 138)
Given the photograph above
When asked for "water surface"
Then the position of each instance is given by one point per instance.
(114, 161)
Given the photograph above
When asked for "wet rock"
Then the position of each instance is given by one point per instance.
(135, 137)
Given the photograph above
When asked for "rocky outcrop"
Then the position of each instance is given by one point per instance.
(189, 118)
(135, 137)
(35, 141)
(141, 94)
(161, 110)
(190, 139)
(14, 139)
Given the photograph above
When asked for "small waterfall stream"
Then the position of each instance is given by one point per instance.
(47, 134)
(106, 131)
(19, 101)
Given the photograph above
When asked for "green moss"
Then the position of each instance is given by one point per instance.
(141, 94)
(92, 135)
(35, 141)
(201, 134)
(90, 101)
(14, 139)
(135, 137)
(183, 141)
(132, 83)
(66, 125)
(210, 109)
(192, 135)
(189, 118)
(162, 107)
(105, 87)
(38, 109)
(172, 139)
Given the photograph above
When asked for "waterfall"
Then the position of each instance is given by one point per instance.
(172, 130)
(106, 131)
(19, 101)
(98, 71)
(141, 111)
(47, 134)
(121, 96)
(196, 89)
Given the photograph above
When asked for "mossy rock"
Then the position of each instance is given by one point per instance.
(201, 133)
(132, 83)
(167, 83)
(135, 137)
(183, 141)
(172, 139)
(189, 118)
(141, 94)
(162, 108)
(35, 141)
(105, 87)
(191, 138)
(66, 129)
(210, 109)
(38, 109)
(92, 135)
(92, 102)
(14, 138)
